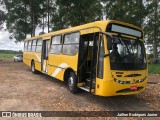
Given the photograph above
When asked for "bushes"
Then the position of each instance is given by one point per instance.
(154, 68)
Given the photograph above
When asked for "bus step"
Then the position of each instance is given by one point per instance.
(88, 82)
(85, 88)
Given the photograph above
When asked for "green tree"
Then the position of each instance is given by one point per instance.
(2, 19)
(15, 21)
(152, 26)
(76, 12)
(131, 11)
(23, 16)
(2, 16)
(48, 9)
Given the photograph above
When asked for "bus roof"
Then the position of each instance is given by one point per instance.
(101, 24)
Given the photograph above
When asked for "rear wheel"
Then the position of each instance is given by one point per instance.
(33, 68)
(72, 83)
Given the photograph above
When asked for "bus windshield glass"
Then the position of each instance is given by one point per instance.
(127, 54)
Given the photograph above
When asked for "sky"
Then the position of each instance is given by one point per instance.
(7, 44)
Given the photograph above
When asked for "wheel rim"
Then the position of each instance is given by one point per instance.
(32, 67)
(70, 81)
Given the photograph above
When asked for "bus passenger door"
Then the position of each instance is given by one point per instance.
(45, 51)
(88, 60)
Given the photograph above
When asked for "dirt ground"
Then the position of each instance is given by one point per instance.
(23, 91)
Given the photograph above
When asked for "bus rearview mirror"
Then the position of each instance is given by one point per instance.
(109, 43)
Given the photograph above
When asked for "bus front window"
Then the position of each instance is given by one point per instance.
(127, 54)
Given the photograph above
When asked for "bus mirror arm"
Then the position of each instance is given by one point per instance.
(106, 55)
(107, 34)
(109, 40)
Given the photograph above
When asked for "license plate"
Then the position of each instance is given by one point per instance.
(133, 88)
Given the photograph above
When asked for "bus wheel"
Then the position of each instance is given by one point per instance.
(33, 68)
(72, 83)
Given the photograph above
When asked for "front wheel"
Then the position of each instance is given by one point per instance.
(33, 68)
(72, 83)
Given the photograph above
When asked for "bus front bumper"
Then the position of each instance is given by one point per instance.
(111, 88)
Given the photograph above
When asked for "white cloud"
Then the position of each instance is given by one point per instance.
(7, 44)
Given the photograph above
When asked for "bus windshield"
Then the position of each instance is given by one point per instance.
(127, 54)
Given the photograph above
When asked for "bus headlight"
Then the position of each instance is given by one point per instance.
(129, 82)
(121, 82)
(141, 80)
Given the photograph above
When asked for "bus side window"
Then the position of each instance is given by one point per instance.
(56, 45)
(34, 45)
(71, 43)
(39, 45)
(30, 45)
(25, 45)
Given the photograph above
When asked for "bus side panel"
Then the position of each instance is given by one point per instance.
(104, 88)
(37, 59)
(54, 61)
(27, 58)
(52, 72)
(27, 61)
(57, 66)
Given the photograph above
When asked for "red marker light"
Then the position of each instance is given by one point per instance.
(133, 88)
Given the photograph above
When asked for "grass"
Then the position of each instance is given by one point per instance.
(154, 68)
(6, 55)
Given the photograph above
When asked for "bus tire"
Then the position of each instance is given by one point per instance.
(34, 71)
(72, 83)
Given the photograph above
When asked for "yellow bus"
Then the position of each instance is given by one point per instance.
(106, 58)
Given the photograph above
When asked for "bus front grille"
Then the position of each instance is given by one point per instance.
(133, 75)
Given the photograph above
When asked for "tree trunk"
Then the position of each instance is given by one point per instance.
(48, 14)
(155, 44)
(25, 7)
(43, 24)
(32, 21)
(141, 6)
